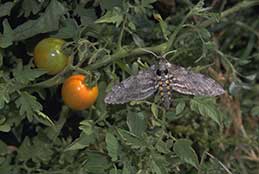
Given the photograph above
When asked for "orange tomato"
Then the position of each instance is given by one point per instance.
(48, 55)
(76, 94)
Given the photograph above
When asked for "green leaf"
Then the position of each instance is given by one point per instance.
(35, 149)
(87, 16)
(205, 107)
(255, 111)
(180, 107)
(28, 105)
(185, 152)
(114, 16)
(3, 148)
(159, 164)
(87, 127)
(154, 109)
(96, 163)
(43, 118)
(24, 74)
(82, 142)
(4, 94)
(162, 147)
(47, 22)
(5, 127)
(31, 6)
(1, 57)
(147, 3)
(69, 29)
(112, 146)
(136, 123)
(5, 9)
(163, 26)
(7, 37)
(110, 4)
(138, 41)
(131, 139)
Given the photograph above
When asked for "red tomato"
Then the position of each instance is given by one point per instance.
(76, 94)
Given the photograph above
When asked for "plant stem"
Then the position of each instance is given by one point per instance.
(240, 6)
(125, 52)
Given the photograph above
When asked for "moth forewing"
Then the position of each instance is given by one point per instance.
(136, 87)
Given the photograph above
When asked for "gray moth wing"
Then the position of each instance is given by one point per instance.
(188, 82)
(135, 87)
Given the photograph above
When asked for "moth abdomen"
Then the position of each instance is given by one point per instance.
(165, 91)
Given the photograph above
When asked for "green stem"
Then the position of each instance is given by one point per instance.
(240, 6)
(121, 33)
(124, 52)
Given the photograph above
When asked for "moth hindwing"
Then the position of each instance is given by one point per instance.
(165, 78)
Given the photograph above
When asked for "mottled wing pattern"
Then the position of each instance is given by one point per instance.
(187, 82)
(136, 87)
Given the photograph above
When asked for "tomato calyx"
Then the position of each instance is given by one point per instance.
(92, 79)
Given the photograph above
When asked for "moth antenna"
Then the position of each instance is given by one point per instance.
(151, 52)
(169, 52)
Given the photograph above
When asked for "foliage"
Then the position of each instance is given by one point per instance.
(39, 134)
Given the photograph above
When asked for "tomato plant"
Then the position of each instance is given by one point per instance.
(76, 94)
(48, 55)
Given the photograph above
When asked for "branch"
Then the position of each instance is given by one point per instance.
(123, 53)
(239, 7)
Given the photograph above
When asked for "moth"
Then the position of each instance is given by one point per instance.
(163, 78)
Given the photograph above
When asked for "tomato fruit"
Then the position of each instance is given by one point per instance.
(48, 55)
(76, 94)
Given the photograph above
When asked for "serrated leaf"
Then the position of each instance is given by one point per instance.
(136, 123)
(31, 6)
(205, 108)
(185, 152)
(35, 149)
(47, 22)
(7, 37)
(86, 126)
(114, 16)
(112, 146)
(28, 105)
(180, 107)
(5, 9)
(131, 139)
(25, 74)
(96, 163)
(82, 142)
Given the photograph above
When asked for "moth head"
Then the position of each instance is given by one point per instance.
(163, 67)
